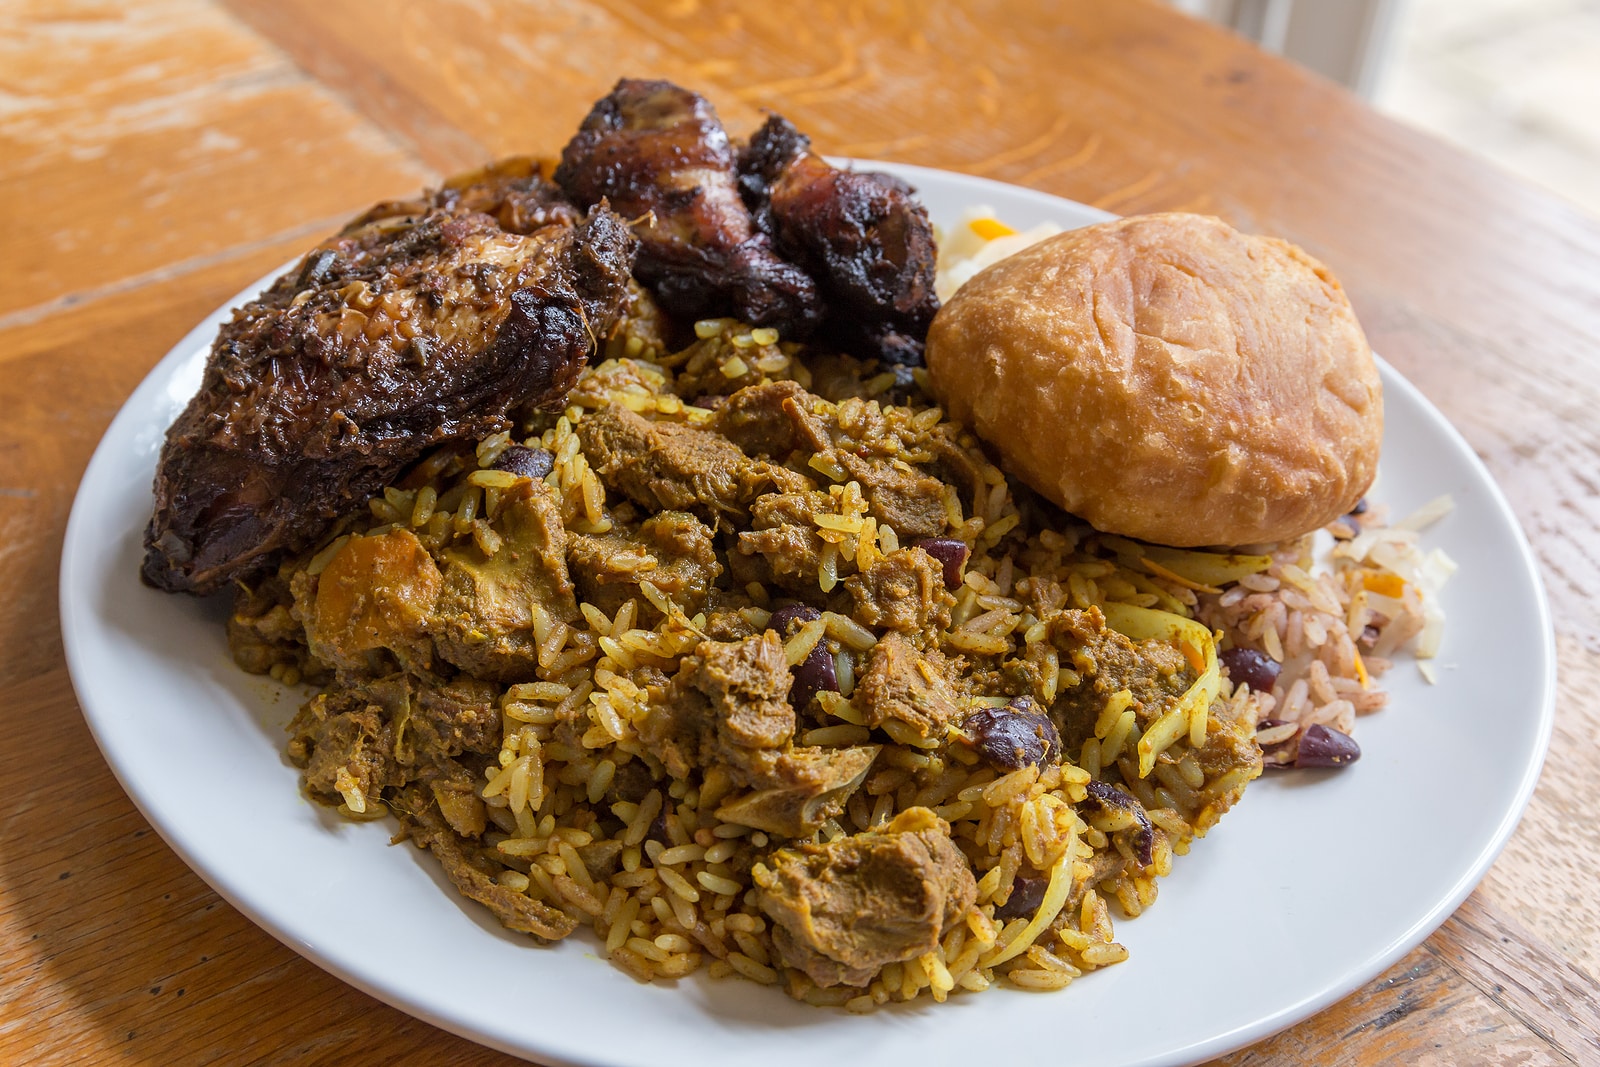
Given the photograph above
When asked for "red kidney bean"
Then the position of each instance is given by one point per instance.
(814, 674)
(1027, 893)
(1103, 797)
(1013, 736)
(525, 462)
(786, 620)
(950, 552)
(1246, 666)
(658, 827)
(1323, 746)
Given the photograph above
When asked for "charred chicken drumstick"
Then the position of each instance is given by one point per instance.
(398, 335)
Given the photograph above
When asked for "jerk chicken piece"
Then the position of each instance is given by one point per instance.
(512, 190)
(863, 236)
(388, 340)
(659, 154)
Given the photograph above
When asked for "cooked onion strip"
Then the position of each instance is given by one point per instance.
(1192, 708)
(1213, 569)
(1055, 896)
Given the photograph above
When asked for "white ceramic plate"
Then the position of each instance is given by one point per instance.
(1311, 887)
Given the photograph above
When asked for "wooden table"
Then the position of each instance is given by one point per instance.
(155, 160)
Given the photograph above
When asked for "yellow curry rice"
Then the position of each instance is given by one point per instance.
(543, 777)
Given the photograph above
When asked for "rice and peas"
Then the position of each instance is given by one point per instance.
(670, 887)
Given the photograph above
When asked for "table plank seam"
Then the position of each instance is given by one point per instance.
(1552, 998)
(1407, 1003)
(397, 140)
(257, 19)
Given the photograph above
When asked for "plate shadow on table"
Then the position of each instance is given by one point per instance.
(111, 949)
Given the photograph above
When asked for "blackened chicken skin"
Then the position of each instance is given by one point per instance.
(392, 338)
(513, 190)
(660, 156)
(863, 237)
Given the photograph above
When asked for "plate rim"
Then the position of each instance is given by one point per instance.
(72, 615)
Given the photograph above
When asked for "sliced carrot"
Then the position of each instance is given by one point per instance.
(1384, 584)
(989, 229)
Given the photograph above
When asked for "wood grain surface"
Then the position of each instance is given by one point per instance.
(154, 160)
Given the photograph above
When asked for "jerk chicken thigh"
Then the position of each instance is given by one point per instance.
(403, 333)
(513, 191)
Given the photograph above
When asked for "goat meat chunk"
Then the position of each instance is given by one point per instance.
(844, 910)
